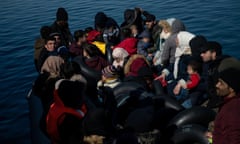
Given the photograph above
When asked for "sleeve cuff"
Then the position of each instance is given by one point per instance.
(58, 83)
(166, 71)
(182, 82)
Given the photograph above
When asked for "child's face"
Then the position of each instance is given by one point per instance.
(134, 30)
(190, 70)
(145, 39)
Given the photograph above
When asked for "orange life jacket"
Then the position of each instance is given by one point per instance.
(56, 116)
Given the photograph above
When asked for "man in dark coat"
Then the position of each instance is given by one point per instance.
(61, 26)
(211, 55)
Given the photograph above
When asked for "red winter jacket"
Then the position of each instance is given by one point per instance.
(193, 81)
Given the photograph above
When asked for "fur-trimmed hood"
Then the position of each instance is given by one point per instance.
(134, 63)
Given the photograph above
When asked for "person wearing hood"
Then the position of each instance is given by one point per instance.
(61, 26)
(137, 69)
(182, 53)
(44, 85)
(183, 49)
(166, 26)
(108, 27)
(169, 48)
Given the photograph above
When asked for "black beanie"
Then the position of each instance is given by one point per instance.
(196, 44)
(231, 76)
(100, 19)
(62, 15)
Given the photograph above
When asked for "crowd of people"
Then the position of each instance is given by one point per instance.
(79, 75)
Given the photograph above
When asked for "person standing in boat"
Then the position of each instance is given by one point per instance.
(132, 17)
(108, 27)
(150, 23)
(61, 26)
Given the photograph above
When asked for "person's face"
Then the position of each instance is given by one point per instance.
(190, 70)
(146, 40)
(85, 54)
(222, 88)
(164, 34)
(134, 30)
(58, 40)
(207, 56)
(149, 24)
(50, 45)
(82, 40)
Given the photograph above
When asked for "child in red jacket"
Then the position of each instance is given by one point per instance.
(182, 88)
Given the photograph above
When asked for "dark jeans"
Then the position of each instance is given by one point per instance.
(182, 95)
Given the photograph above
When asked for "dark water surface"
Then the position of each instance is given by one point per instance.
(20, 22)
